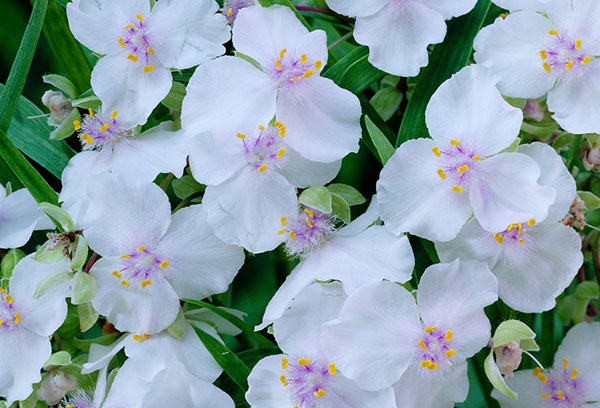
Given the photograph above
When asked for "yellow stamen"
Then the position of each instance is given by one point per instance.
(125, 257)
(281, 152)
(422, 344)
(146, 283)
(303, 362)
(240, 135)
(565, 363)
(303, 59)
(430, 329)
(434, 366)
(137, 337)
(578, 44)
(1, 323)
(547, 67)
(292, 235)
(543, 378)
(320, 393)
(332, 369)
(309, 73)
(519, 228)
(543, 54)
(17, 318)
(142, 248)
(132, 57)
(70, 406)
(310, 225)
(309, 212)
(458, 189)
(448, 335)
(553, 32)
(569, 65)
(278, 65)
(282, 53)
(150, 51)
(127, 27)
(318, 64)
(425, 363)
(148, 68)
(282, 131)
(586, 60)
(283, 381)
(9, 299)
(164, 264)
(283, 231)
(477, 158)
(450, 353)
(296, 79)
(2, 290)
(441, 173)
(262, 168)
(229, 12)
(436, 151)
(104, 127)
(121, 43)
(116, 274)
(114, 114)
(125, 283)
(536, 372)
(283, 221)
(284, 363)
(91, 112)
(139, 17)
(560, 395)
(498, 238)
(76, 124)
(462, 169)
(503, 15)
(574, 375)
(261, 127)
(454, 142)
(546, 396)
(145, 336)
(531, 222)
(88, 139)
(521, 240)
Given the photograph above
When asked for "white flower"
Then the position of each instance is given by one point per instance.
(357, 255)
(573, 382)
(19, 216)
(229, 94)
(26, 323)
(554, 53)
(398, 32)
(250, 183)
(515, 5)
(383, 338)
(140, 45)
(150, 258)
(534, 262)
(431, 187)
(303, 376)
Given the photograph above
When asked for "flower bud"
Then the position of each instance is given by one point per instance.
(60, 107)
(55, 386)
(508, 358)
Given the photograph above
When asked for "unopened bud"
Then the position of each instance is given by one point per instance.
(55, 386)
(534, 110)
(60, 107)
(508, 358)
(576, 216)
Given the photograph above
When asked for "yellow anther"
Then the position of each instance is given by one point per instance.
(121, 43)
(137, 337)
(462, 169)
(430, 329)
(282, 131)
(531, 222)
(283, 381)
(283, 231)
(303, 59)
(574, 375)
(150, 51)
(425, 363)
(125, 283)
(448, 336)
(91, 112)
(148, 68)
(88, 139)
(565, 363)
(282, 53)
(261, 127)
(521, 240)
(9, 299)
(2, 290)
(543, 378)
(283, 221)
(560, 395)
(229, 12)
(547, 67)
(578, 44)
(553, 32)
(309, 223)
(292, 235)
(546, 396)
(284, 363)
(17, 318)
(332, 369)
(458, 189)
(278, 124)
(503, 15)
(441, 173)
(543, 54)
(142, 248)
(450, 353)
(586, 60)
(116, 274)
(477, 158)
(536, 372)
(132, 57)
(1, 323)
(309, 212)
(454, 142)
(262, 168)
(139, 17)
(70, 406)
(240, 135)
(434, 366)
(278, 65)
(125, 257)
(145, 336)
(127, 27)
(146, 283)
(296, 79)
(104, 127)
(318, 64)
(164, 264)
(320, 393)
(499, 238)
(76, 124)
(309, 73)
(569, 65)
(281, 152)
(303, 362)
(436, 151)
(114, 114)
(422, 344)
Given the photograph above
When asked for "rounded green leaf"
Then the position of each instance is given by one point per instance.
(587, 290)
(512, 330)
(351, 195)
(58, 359)
(318, 198)
(84, 288)
(50, 282)
(79, 253)
(493, 374)
(87, 316)
(61, 83)
(58, 214)
(591, 201)
(340, 208)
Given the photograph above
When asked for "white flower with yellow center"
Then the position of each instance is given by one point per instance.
(142, 44)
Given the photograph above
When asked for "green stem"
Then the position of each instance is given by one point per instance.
(547, 337)
(573, 152)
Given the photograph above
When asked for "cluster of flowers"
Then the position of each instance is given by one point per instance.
(258, 127)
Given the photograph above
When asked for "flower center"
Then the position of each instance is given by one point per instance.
(307, 380)
(563, 53)
(99, 131)
(514, 233)
(306, 232)
(436, 349)
(79, 399)
(456, 164)
(290, 68)
(561, 387)
(135, 40)
(264, 149)
(9, 316)
(139, 267)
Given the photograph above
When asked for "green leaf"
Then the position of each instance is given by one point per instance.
(512, 330)
(79, 253)
(9, 261)
(58, 359)
(66, 128)
(447, 58)
(62, 83)
(340, 208)
(563, 141)
(84, 344)
(587, 290)
(580, 309)
(387, 101)
(174, 98)
(88, 316)
(348, 193)
(186, 186)
(318, 198)
(231, 364)
(255, 337)
(84, 288)
(177, 328)
(51, 282)
(566, 307)
(493, 374)
(58, 214)
(384, 148)
(253, 356)
(592, 202)
(354, 72)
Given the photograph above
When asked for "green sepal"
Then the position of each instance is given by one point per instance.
(340, 208)
(592, 202)
(174, 98)
(177, 328)
(52, 256)
(88, 316)
(318, 198)
(66, 128)
(62, 83)
(79, 252)
(493, 374)
(351, 195)
(58, 359)
(9, 261)
(58, 214)
(51, 282)
(512, 330)
(84, 288)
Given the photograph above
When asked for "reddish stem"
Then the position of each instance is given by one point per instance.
(93, 259)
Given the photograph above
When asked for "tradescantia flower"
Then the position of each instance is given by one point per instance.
(150, 258)
(462, 166)
(573, 381)
(555, 53)
(26, 322)
(534, 262)
(419, 348)
(250, 181)
(141, 45)
(357, 254)
(228, 94)
(398, 32)
(303, 376)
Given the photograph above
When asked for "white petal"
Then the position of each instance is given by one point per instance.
(345, 393)
(511, 48)
(322, 119)
(314, 305)
(452, 297)
(122, 216)
(452, 8)
(398, 36)
(473, 243)
(185, 33)
(468, 107)
(214, 159)
(100, 356)
(302, 173)
(22, 355)
(140, 310)
(18, 217)
(514, 5)
(574, 100)
(262, 33)
(554, 174)
(122, 85)
(227, 95)
(265, 389)
(579, 17)
(247, 209)
(363, 221)
(382, 321)
(528, 389)
(131, 384)
(199, 263)
(73, 195)
(506, 191)
(409, 192)
(356, 8)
